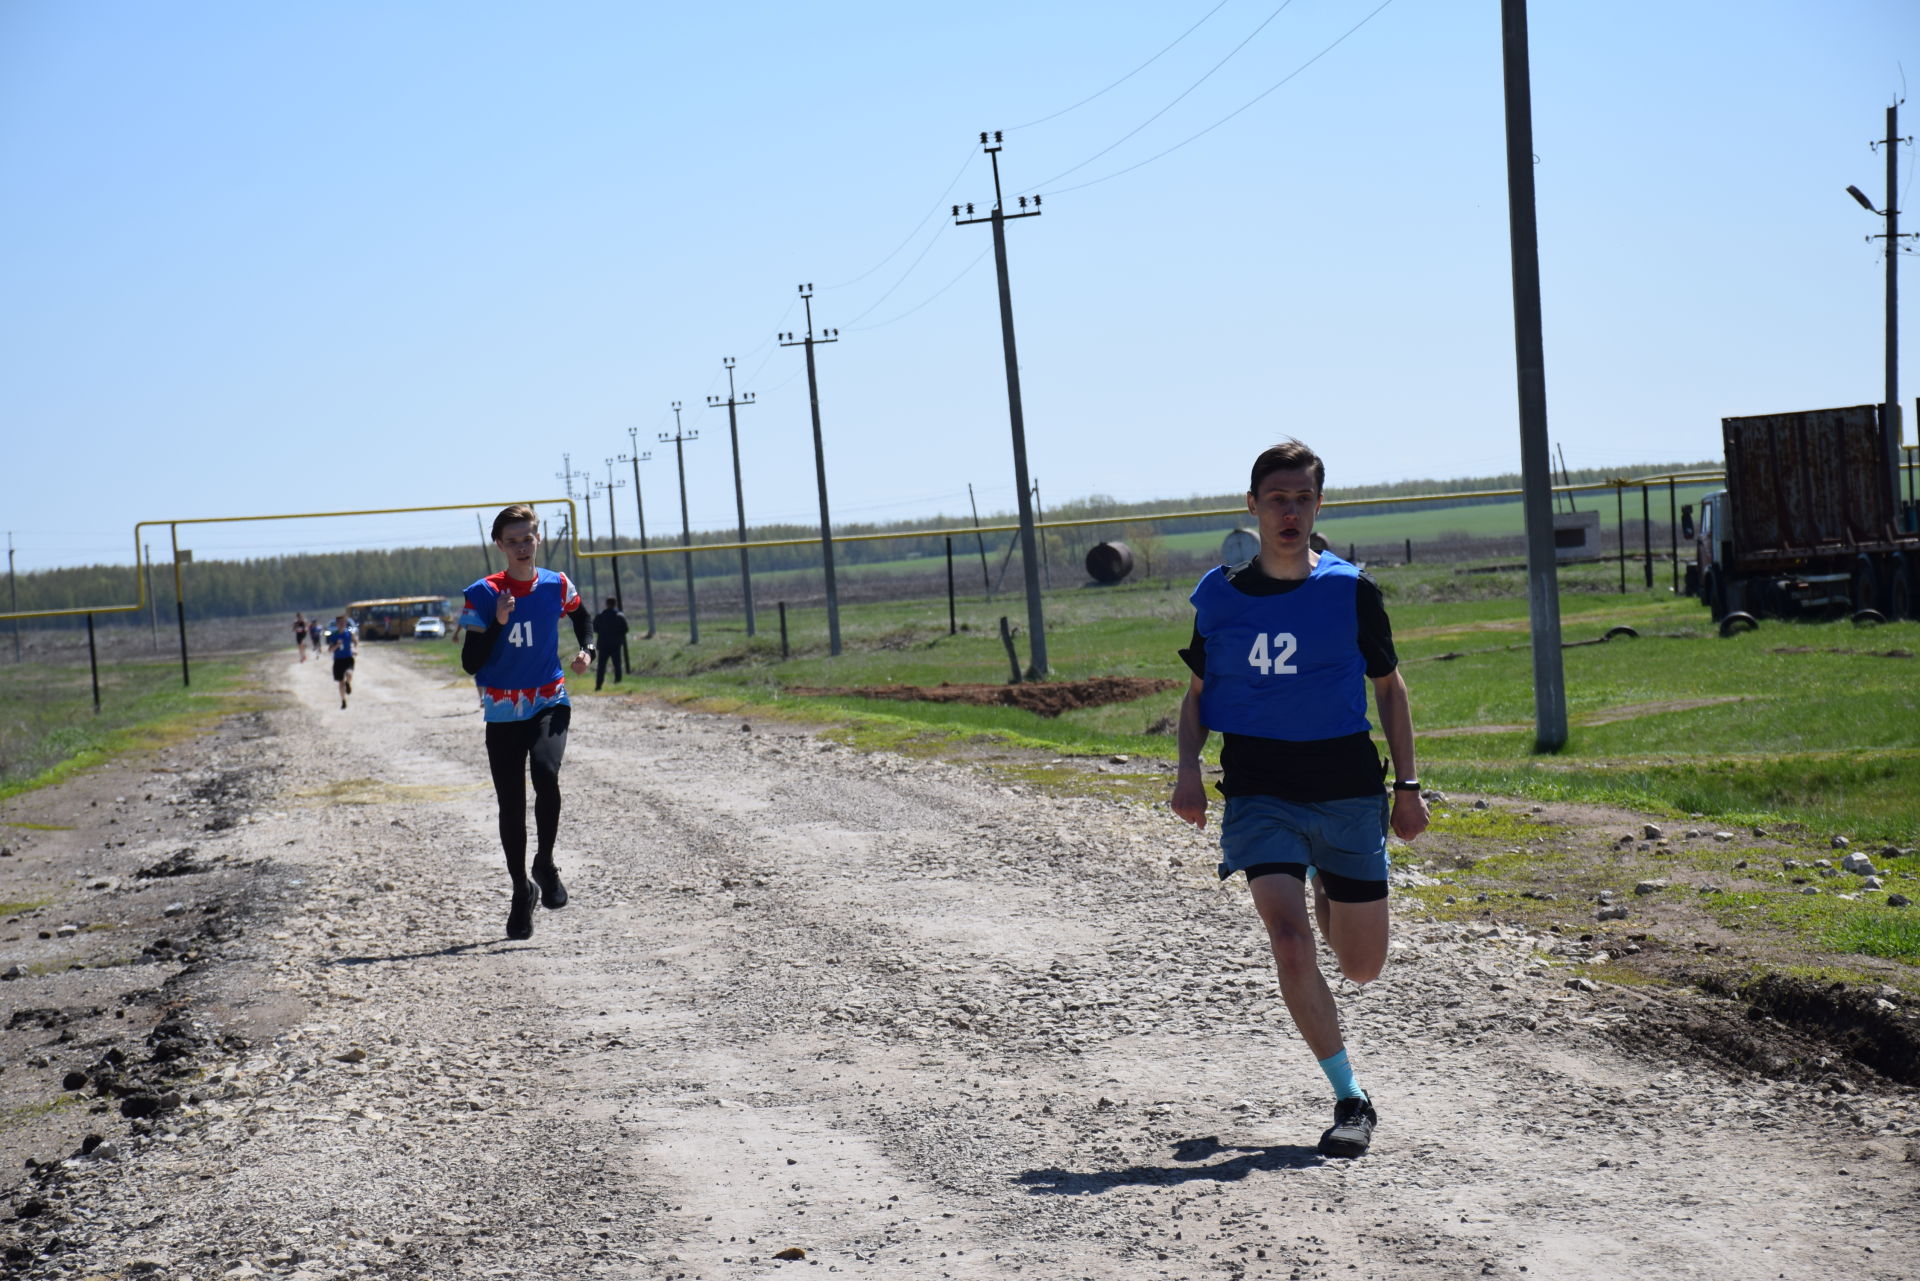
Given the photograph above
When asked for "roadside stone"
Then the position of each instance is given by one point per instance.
(1723, 836)
(355, 1055)
(1810, 889)
(1614, 912)
(1482, 804)
(12, 972)
(1117, 759)
(1898, 900)
(1858, 864)
(1651, 832)
(1792, 864)
(1583, 985)
(1649, 887)
(1839, 842)
(1871, 883)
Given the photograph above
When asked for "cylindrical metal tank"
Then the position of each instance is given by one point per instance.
(1109, 562)
(1241, 544)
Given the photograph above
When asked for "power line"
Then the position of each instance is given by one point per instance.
(937, 202)
(1130, 75)
(1230, 115)
(1176, 102)
(964, 272)
(903, 276)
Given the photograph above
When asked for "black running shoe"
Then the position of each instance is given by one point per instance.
(552, 892)
(520, 919)
(1352, 1130)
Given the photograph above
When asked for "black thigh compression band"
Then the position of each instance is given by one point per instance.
(516, 749)
(1341, 889)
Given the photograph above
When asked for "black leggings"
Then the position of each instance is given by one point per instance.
(515, 749)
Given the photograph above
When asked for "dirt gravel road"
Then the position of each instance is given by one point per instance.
(888, 1013)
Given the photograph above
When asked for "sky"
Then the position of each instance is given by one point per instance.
(321, 257)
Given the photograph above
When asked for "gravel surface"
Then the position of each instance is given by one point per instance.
(887, 1013)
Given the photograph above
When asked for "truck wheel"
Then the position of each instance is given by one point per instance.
(1866, 585)
(1734, 624)
(1899, 603)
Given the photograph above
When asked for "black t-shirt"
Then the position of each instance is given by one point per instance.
(1305, 770)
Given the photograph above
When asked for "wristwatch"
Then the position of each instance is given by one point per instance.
(1406, 784)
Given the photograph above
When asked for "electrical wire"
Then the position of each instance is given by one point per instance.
(903, 277)
(1130, 75)
(964, 271)
(1230, 115)
(1176, 102)
(938, 201)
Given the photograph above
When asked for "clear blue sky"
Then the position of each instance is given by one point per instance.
(269, 257)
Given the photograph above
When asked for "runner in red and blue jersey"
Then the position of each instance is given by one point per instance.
(512, 651)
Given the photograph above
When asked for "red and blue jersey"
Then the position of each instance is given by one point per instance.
(523, 675)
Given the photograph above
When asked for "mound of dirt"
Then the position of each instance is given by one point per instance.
(1049, 698)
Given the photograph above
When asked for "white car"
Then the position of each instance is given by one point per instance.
(433, 627)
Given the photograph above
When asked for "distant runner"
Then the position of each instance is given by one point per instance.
(344, 641)
(512, 651)
(1283, 646)
(610, 634)
(300, 636)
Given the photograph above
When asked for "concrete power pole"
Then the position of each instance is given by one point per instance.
(679, 439)
(1029, 553)
(1536, 464)
(1890, 414)
(13, 594)
(640, 509)
(820, 464)
(733, 402)
(613, 535)
(567, 477)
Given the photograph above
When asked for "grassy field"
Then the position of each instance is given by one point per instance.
(49, 731)
(1434, 524)
(1805, 723)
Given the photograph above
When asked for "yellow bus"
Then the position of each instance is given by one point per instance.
(398, 616)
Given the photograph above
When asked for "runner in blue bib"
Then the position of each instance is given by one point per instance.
(1283, 648)
(512, 651)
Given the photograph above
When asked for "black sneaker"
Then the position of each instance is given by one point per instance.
(520, 918)
(1352, 1130)
(552, 892)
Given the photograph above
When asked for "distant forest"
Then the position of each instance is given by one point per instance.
(323, 583)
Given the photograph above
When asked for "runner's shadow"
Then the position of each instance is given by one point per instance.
(456, 949)
(1277, 1156)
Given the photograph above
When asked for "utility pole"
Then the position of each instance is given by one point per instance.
(153, 615)
(1530, 361)
(820, 464)
(485, 559)
(567, 478)
(732, 402)
(13, 592)
(593, 566)
(1036, 617)
(1040, 518)
(613, 535)
(985, 584)
(640, 508)
(1890, 414)
(679, 439)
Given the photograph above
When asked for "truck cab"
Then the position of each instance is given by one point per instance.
(1706, 572)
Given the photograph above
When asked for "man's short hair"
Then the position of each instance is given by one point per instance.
(512, 516)
(612, 603)
(1288, 455)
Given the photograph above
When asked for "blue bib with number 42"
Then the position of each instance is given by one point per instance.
(1283, 666)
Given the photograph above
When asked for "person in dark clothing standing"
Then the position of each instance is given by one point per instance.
(1284, 647)
(610, 634)
(512, 650)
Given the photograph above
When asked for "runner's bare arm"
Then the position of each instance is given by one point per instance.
(583, 639)
(1396, 722)
(1189, 793)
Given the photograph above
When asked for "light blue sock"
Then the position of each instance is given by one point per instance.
(1340, 1076)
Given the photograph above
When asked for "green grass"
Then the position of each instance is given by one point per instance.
(1677, 722)
(49, 731)
(1425, 524)
(1825, 921)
